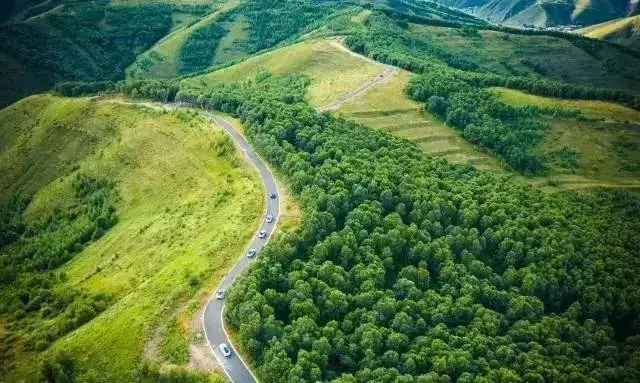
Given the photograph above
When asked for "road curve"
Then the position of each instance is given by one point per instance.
(234, 367)
(212, 319)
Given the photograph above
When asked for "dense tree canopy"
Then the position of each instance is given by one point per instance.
(390, 42)
(408, 269)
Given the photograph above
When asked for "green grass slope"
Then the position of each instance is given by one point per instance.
(187, 204)
(163, 60)
(625, 31)
(536, 55)
(601, 148)
(331, 68)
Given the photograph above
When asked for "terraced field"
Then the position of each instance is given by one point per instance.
(386, 107)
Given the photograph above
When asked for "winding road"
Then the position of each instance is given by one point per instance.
(234, 366)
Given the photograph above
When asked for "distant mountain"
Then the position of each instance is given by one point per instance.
(547, 13)
(625, 31)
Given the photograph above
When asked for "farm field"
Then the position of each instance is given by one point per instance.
(186, 206)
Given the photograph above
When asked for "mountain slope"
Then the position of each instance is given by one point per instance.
(624, 31)
(184, 202)
(545, 13)
(78, 41)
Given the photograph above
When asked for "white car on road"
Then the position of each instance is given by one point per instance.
(262, 234)
(251, 253)
(224, 349)
(269, 218)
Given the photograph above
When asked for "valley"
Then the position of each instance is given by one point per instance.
(453, 193)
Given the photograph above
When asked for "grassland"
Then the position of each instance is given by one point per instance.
(607, 140)
(546, 56)
(163, 59)
(187, 206)
(386, 107)
(591, 108)
(333, 71)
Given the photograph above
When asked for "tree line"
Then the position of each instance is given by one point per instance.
(409, 269)
(390, 43)
(36, 311)
(512, 132)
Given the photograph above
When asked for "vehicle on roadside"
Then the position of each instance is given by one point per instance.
(220, 294)
(262, 234)
(224, 349)
(272, 195)
(269, 218)
(251, 253)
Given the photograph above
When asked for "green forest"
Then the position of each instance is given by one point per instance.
(408, 269)
(396, 266)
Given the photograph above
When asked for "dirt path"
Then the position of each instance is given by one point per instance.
(386, 74)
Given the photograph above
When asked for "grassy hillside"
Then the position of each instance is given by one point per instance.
(387, 107)
(332, 69)
(237, 30)
(163, 60)
(602, 147)
(543, 56)
(625, 31)
(186, 204)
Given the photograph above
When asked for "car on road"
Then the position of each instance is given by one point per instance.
(269, 218)
(251, 253)
(262, 234)
(224, 349)
(220, 294)
(272, 195)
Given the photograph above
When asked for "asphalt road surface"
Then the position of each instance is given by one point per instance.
(234, 367)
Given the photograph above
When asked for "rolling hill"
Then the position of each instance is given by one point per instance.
(184, 204)
(464, 197)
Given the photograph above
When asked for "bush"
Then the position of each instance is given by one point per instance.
(438, 105)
